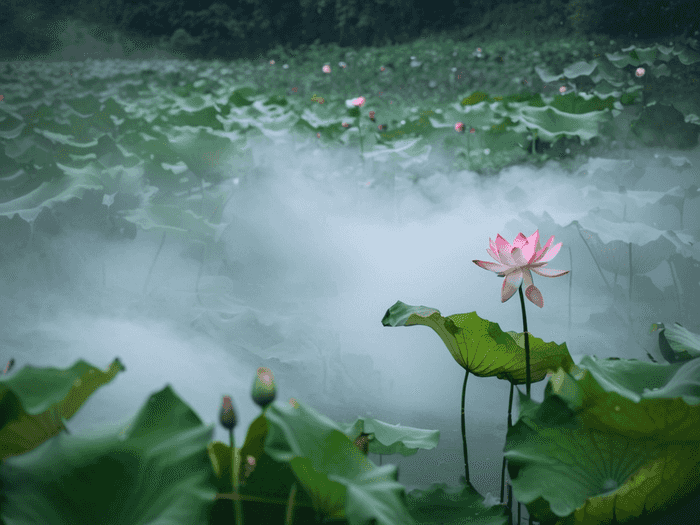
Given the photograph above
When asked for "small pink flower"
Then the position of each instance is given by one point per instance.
(371, 116)
(639, 72)
(381, 127)
(358, 101)
(318, 135)
(272, 62)
(381, 68)
(459, 127)
(472, 131)
(562, 89)
(345, 124)
(326, 68)
(478, 50)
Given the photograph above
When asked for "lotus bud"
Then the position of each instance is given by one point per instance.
(227, 415)
(264, 390)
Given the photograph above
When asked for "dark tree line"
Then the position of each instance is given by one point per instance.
(242, 28)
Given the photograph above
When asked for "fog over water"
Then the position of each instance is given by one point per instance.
(313, 262)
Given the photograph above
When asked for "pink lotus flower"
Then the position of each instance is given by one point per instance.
(516, 261)
(326, 68)
(639, 72)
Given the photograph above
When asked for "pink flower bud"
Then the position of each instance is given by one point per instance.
(227, 415)
(264, 390)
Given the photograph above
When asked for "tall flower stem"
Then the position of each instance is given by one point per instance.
(153, 264)
(464, 430)
(595, 260)
(234, 478)
(571, 277)
(510, 424)
(527, 356)
(527, 341)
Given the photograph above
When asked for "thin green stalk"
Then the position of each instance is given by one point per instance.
(527, 342)
(571, 271)
(234, 479)
(206, 245)
(199, 273)
(594, 260)
(464, 430)
(675, 283)
(510, 424)
(510, 505)
(289, 515)
(630, 291)
(150, 271)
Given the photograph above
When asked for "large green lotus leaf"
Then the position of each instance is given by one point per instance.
(385, 438)
(157, 471)
(338, 478)
(481, 347)
(35, 402)
(440, 504)
(617, 440)
(175, 220)
(676, 343)
(552, 123)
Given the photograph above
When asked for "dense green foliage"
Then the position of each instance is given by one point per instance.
(243, 29)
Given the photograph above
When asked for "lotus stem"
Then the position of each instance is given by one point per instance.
(464, 430)
(510, 424)
(527, 342)
(571, 271)
(234, 478)
(675, 283)
(630, 291)
(595, 260)
(150, 271)
(199, 273)
(290, 505)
